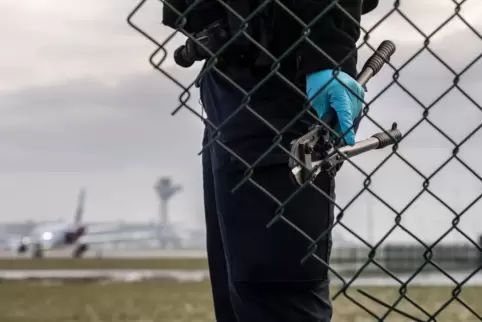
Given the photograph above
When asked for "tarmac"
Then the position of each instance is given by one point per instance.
(181, 276)
(118, 253)
(104, 275)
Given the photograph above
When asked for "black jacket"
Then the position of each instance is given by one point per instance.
(334, 32)
(191, 15)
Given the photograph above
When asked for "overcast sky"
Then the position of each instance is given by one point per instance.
(82, 107)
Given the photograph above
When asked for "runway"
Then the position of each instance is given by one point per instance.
(119, 275)
(103, 275)
(119, 253)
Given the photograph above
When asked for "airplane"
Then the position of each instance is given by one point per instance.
(57, 235)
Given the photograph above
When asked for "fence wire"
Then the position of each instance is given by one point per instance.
(428, 254)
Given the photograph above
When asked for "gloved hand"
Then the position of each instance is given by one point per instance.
(337, 97)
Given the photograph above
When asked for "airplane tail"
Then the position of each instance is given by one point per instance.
(80, 207)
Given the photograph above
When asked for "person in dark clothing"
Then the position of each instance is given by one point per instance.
(256, 272)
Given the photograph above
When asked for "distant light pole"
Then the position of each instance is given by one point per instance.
(165, 190)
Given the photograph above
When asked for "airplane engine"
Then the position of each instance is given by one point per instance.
(69, 238)
(22, 248)
(72, 236)
(80, 250)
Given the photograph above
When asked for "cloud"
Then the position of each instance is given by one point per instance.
(56, 41)
(85, 125)
(411, 18)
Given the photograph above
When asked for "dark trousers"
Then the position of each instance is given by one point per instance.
(256, 272)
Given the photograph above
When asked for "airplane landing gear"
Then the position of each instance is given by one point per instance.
(37, 251)
(80, 250)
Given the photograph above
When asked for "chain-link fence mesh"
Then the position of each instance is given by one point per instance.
(418, 97)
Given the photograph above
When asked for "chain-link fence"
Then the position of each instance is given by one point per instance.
(441, 162)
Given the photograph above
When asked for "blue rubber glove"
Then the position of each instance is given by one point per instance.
(336, 96)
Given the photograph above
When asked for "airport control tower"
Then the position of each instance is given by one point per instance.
(165, 190)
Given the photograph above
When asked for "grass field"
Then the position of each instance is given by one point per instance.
(191, 302)
(93, 263)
